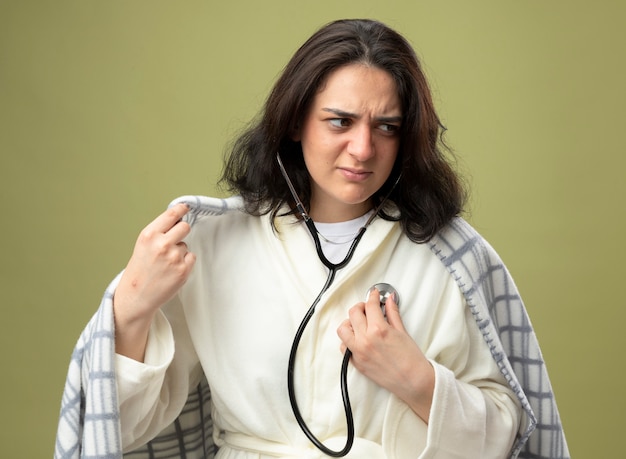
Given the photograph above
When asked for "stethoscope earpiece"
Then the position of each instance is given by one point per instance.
(385, 291)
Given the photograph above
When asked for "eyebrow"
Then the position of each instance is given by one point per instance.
(344, 114)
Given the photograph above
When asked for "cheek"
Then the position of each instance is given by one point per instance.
(391, 158)
(313, 166)
(317, 155)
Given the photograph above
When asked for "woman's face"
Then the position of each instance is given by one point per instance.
(350, 139)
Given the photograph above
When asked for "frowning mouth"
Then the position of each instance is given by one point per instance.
(354, 174)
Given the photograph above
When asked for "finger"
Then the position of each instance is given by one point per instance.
(178, 232)
(346, 333)
(357, 318)
(372, 307)
(164, 222)
(393, 314)
(190, 259)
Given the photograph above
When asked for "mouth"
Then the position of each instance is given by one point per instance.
(355, 174)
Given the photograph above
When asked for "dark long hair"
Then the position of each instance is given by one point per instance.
(429, 193)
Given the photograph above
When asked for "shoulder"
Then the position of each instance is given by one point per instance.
(482, 277)
(458, 242)
(214, 216)
(206, 206)
(477, 269)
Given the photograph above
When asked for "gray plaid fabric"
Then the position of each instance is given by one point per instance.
(89, 419)
(500, 314)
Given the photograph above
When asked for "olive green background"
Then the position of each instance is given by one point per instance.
(109, 109)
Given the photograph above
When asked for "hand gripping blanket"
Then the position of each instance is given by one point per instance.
(89, 419)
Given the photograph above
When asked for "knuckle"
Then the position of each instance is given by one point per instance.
(361, 357)
(367, 349)
(377, 332)
(146, 235)
(180, 271)
(162, 248)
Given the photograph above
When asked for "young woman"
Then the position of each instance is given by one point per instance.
(343, 185)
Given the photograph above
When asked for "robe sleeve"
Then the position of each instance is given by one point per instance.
(152, 393)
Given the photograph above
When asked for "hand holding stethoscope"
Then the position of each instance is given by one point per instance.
(384, 352)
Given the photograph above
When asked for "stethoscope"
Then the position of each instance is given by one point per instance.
(385, 291)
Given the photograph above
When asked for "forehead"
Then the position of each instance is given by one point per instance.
(359, 86)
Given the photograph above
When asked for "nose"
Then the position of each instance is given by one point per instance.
(361, 144)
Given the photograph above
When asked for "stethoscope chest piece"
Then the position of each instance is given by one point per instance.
(385, 291)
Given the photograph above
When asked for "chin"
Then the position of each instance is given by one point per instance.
(357, 202)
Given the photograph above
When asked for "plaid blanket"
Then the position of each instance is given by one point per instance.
(89, 419)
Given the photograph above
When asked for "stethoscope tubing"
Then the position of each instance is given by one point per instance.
(343, 382)
(333, 268)
(332, 271)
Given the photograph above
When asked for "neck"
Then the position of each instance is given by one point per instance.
(333, 214)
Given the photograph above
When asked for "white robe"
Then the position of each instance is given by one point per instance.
(238, 326)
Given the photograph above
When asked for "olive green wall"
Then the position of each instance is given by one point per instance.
(110, 109)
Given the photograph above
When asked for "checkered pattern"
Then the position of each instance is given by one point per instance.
(502, 319)
(89, 420)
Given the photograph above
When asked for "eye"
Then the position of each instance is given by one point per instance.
(389, 128)
(340, 122)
